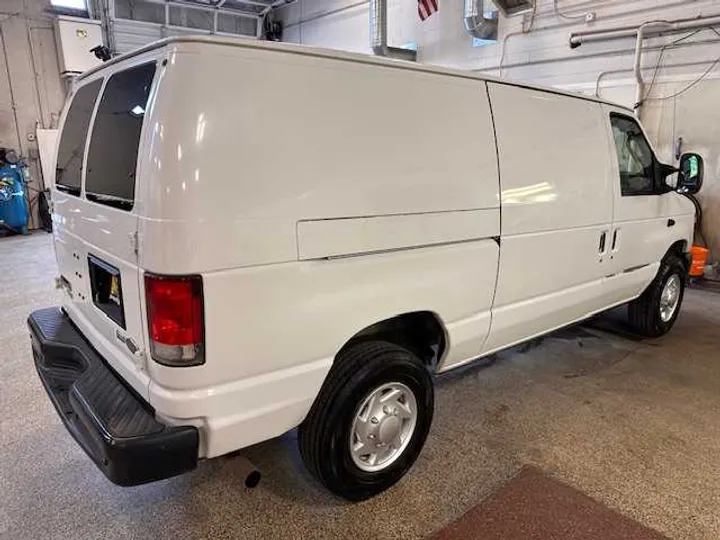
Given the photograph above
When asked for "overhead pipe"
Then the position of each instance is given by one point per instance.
(646, 29)
(378, 34)
(476, 24)
(619, 32)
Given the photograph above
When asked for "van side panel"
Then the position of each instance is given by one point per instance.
(350, 236)
(356, 141)
(272, 332)
(386, 201)
(556, 203)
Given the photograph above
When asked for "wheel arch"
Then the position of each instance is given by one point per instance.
(681, 250)
(422, 332)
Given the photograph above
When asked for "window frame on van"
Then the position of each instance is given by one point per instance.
(76, 191)
(108, 199)
(654, 189)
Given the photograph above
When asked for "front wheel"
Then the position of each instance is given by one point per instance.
(369, 421)
(654, 313)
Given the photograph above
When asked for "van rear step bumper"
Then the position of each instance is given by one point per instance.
(114, 426)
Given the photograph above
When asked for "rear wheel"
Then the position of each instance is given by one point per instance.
(369, 421)
(654, 313)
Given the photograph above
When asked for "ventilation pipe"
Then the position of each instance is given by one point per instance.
(647, 29)
(668, 27)
(640, 84)
(476, 24)
(378, 34)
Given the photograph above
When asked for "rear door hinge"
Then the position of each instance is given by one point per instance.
(135, 243)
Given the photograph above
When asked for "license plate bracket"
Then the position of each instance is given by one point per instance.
(106, 289)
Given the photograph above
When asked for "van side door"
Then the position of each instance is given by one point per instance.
(647, 216)
(556, 212)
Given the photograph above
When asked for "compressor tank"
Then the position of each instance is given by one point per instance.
(13, 208)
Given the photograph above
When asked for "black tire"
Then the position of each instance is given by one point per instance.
(644, 311)
(324, 435)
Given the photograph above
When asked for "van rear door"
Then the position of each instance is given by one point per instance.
(96, 215)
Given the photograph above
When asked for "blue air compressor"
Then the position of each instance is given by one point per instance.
(13, 205)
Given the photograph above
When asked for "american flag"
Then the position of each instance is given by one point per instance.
(427, 8)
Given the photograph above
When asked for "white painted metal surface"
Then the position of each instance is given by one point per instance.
(556, 181)
(75, 37)
(47, 148)
(640, 223)
(314, 213)
(322, 238)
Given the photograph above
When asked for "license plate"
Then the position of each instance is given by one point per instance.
(106, 288)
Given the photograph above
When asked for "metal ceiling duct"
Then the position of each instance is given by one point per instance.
(476, 24)
(378, 34)
(515, 7)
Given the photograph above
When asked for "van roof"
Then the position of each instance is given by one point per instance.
(339, 55)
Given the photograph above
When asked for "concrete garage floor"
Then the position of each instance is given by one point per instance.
(633, 424)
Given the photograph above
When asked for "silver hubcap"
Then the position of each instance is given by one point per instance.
(383, 426)
(670, 297)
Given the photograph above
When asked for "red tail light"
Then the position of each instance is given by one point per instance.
(175, 319)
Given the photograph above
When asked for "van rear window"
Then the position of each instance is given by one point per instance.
(112, 157)
(72, 141)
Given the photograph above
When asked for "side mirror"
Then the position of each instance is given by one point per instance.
(691, 172)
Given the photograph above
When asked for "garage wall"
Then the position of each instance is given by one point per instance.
(31, 90)
(537, 50)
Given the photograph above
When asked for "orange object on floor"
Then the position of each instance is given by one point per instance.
(699, 260)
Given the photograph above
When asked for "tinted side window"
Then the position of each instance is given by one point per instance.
(110, 176)
(636, 161)
(72, 141)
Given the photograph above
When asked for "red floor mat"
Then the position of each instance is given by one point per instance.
(534, 506)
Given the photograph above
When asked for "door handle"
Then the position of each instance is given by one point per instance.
(603, 238)
(671, 222)
(613, 246)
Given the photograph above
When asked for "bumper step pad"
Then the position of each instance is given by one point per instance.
(114, 426)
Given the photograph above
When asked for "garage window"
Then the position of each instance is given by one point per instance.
(77, 8)
(112, 157)
(72, 141)
(636, 161)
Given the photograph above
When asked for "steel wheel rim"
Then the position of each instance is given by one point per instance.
(670, 297)
(383, 426)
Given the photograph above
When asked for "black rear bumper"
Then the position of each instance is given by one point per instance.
(114, 426)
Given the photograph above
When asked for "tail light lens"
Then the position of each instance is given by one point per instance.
(175, 319)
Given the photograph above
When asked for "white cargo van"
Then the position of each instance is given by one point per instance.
(254, 237)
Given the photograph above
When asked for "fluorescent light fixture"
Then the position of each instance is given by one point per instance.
(79, 5)
(137, 110)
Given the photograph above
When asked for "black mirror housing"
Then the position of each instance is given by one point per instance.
(691, 172)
